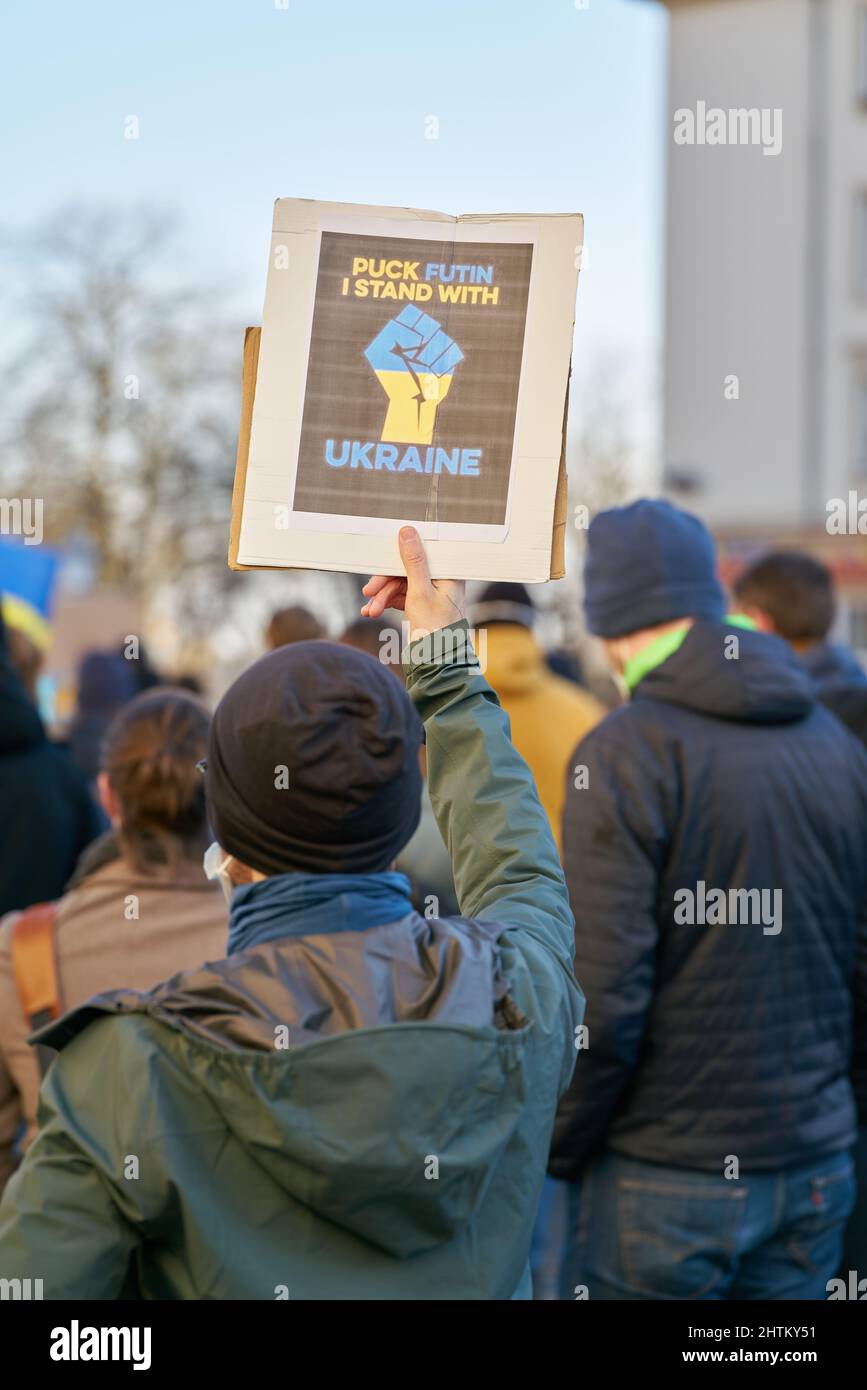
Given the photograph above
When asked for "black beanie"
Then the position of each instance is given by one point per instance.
(347, 735)
(503, 603)
(648, 564)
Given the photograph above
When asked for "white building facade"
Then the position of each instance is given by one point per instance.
(766, 277)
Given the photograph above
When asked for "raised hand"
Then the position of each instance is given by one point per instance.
(429, 604)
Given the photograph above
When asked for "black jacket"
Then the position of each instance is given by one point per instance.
(841, 685)
(46, 813)
(715, 1040)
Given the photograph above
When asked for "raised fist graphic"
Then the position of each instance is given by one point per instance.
(414, 361)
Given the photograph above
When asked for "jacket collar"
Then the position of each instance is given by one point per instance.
(666, 645)
(286, 905)
(184, 875)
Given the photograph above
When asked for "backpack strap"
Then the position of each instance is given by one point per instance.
(34, 964)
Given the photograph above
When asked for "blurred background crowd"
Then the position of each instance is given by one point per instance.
(720, 360)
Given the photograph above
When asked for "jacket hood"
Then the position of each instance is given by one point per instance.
(764, 684)
(355, 1081)
(514, 663)
(20, 725)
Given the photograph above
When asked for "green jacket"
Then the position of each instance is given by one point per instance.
(395, 1150)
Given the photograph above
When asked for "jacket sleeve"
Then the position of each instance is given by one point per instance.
(505, 863)
(10, 1121)
(859, 1003)
(614, 840)
(61, 1218)
(11, 1108)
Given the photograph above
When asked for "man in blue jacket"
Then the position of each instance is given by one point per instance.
(791, 594)
(715, 845)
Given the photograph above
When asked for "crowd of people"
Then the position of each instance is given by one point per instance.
(408, 979)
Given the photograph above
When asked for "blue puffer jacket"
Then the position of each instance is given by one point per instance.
(841, 684)
(709, 1040)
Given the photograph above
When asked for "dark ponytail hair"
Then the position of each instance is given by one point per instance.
(150, 755)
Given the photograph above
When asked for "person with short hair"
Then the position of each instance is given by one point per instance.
(357, 1102)
(790, 593)
(293, 624)
(716, 855)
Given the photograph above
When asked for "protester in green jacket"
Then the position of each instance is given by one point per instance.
(357, 1102)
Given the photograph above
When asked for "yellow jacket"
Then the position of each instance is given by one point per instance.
(549, 716)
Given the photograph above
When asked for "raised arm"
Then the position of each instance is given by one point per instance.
(503, 855)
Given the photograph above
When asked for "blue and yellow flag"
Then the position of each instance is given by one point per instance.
(27, 581)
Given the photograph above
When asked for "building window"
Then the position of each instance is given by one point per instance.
(861, 243)
(859, 452)
(861, 50)
(858, 629)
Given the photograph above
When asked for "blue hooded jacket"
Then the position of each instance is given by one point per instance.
(712, 1037)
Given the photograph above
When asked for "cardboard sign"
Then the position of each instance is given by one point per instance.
(412, 367)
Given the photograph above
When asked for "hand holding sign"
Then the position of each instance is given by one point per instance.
(414, 360)
(429, 604)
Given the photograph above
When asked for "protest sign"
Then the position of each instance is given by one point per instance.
(412, 367)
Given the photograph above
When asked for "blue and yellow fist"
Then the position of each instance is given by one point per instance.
(414, 361)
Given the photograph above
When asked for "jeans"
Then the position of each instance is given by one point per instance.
(549, 1234)
(855, 1243)
(644, 1231)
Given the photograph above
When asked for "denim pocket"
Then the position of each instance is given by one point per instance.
(820, 1207)
(678, 1240)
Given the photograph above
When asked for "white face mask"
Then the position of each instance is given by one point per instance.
(214, 863)
(622, 688)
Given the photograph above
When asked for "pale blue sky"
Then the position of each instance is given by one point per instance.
(542, 108)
